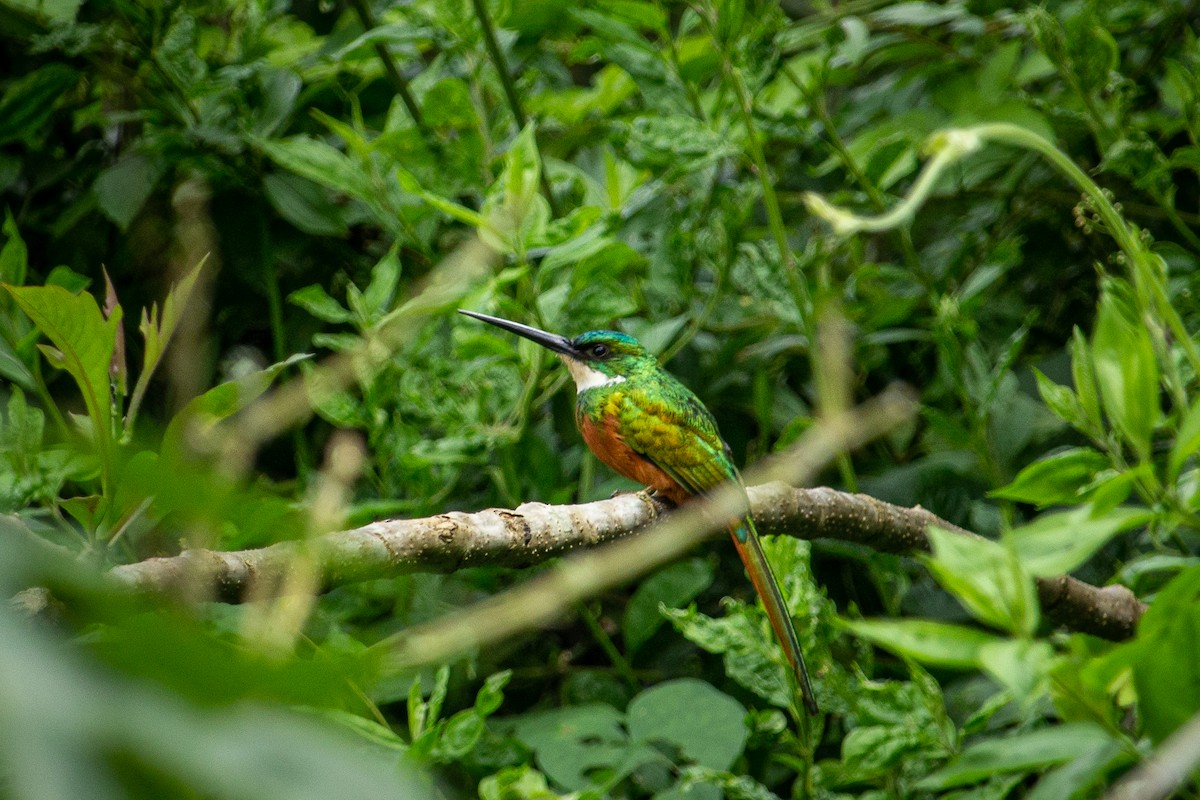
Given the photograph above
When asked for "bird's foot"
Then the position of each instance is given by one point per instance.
(658, 498)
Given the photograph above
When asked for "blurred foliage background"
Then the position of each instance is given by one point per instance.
(638, 165)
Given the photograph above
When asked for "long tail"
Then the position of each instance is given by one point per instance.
(745, 539)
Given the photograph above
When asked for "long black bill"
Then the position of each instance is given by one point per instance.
(550, 341)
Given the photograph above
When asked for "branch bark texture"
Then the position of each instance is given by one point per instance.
(535, 532)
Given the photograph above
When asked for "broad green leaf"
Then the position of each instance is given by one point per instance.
(751, 657)
(672, 587)
(1023, 752)
(705, 724)
(84, 341)
(1166, 671)
(68, 279)
(571, 742)
(317, 302)
(1126, 366)
(1055, 479)
(381, 291)
(1058, 543)
(1187, 441)
(938, 643)
(319, 162)
(122, 189)
(1020, 665)
(1080, 777)
(987, 578)
(157, 334)
(305, 203)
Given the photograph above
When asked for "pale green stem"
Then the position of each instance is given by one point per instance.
(952, 145)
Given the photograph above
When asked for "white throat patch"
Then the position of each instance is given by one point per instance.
(588, 378)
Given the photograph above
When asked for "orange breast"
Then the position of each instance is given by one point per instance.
(605, 441)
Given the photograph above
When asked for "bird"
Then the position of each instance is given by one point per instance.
(644, 424)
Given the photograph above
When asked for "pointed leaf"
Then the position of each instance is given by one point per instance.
(14, 258)
(938, 643)
(117, 369)
(84, 341)
(1055, 479)
(1126, 367)
(987, 578)
(1023, 752)
(1187, 441)
(1058, 543)
(158, 332)
(316, 301)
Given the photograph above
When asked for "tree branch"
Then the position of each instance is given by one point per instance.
(535, 532)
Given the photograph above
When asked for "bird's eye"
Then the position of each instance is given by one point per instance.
(598, 350)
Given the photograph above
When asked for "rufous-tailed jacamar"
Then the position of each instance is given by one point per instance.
(643, 423)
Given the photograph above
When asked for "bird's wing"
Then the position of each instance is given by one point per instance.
(678, 435)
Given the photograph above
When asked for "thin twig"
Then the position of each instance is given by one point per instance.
(510, 92)
(367, 17)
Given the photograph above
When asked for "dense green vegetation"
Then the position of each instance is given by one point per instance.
(204, 200)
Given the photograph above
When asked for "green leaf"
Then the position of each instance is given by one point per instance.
(1081, 777)
(84, 340)
(987, 578)
(571, 742)
(220, 402)
(516, 783)
(1055, 479)
(21, 433)
(14, 258)
(752, 658)
(68, 279)
(13, 367)
(1020, 665)
(1058, 543)
(74, 713)
(1025, 752)
(871, 750)
(1187, 441)
(30, 100)
(1083, 373)
(937, 643)
(157, 334)
(122, 189)
(1166, 671)
(1062, 402)
(305, 204)
(1126, 366)
(381, 291)
(317, 302)
(705, 724)
(672, 587)
(319, 162)
(677, 142)
(516, 214)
